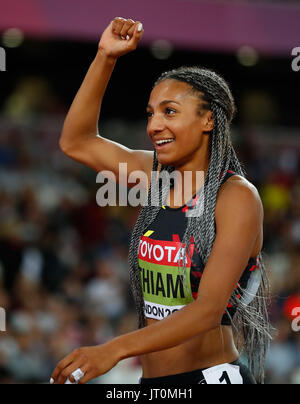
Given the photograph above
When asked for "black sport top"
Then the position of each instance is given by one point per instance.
(159, 251)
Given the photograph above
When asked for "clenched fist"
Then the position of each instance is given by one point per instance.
(121, 37)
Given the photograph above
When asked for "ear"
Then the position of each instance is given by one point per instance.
(209, 121)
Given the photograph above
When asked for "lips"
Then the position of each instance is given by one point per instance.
(163, 143)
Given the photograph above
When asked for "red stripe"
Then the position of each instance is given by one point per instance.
(163, 252)
(228, 171)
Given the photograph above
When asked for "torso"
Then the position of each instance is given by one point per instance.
(208, 349)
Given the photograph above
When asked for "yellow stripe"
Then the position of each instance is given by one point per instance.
(163, 207)
(148, 233)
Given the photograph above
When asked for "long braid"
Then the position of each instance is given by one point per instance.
(250, 320)
(148, 213)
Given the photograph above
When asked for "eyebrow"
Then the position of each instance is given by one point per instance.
(164, 103)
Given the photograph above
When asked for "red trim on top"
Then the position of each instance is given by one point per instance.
(176, 238)
(228, 171)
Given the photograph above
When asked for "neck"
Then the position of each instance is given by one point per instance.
(189, 179)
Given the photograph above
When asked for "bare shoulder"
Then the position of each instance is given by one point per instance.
(239, 195)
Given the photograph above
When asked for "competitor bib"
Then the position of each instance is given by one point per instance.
(162, 283)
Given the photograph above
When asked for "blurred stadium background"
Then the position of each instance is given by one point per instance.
(63, 259)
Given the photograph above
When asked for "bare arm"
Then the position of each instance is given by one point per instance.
(239, 221)
(233, 247)
(80, 139)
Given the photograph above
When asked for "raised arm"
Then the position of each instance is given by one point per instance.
(80, 139)
(239, 218)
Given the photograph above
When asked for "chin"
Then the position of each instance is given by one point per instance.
(167, 160)
(163, 160)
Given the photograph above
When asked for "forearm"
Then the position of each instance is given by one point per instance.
(173, 330)
(82, 118)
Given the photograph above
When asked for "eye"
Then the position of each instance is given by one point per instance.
(170, 111)
(149, 114)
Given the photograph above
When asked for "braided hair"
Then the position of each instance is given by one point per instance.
(250, 321)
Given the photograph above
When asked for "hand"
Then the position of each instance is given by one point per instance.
(120, 37)
(93, 361)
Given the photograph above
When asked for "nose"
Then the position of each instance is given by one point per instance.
(155, 124)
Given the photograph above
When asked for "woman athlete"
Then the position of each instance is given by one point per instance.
(198, 280)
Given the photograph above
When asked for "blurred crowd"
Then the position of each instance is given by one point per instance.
(63, 259)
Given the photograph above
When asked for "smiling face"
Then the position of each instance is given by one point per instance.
(178, 126)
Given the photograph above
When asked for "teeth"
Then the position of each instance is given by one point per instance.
(164, 141)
